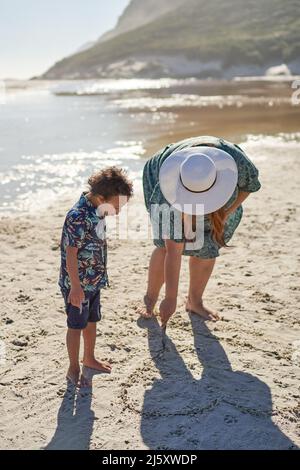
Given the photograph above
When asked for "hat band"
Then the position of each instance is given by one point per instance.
(198, 192)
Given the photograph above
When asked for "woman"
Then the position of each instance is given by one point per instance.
(204, 179)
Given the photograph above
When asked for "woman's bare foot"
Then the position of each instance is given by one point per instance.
(97, 365)
(202, 311)
(73, 375)
(147, 310)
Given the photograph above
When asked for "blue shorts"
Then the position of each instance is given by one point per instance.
(90, 311)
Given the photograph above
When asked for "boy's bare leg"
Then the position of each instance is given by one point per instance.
(89, 360)
(200, 273)
(155, 282)
(73, 346)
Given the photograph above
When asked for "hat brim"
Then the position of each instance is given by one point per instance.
(198, 203)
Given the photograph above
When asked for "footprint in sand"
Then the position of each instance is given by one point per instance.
(21, 343)
(22, 298)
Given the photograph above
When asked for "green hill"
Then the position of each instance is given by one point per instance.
(138, 13)
(197, 38)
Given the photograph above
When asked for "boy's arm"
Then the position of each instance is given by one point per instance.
(172, 271)
(76, 296)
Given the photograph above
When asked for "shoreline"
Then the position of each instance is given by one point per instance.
(107, 128)
(141, 151)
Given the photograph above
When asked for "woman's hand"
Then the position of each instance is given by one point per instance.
(166, 310)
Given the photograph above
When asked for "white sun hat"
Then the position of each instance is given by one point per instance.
(198, 180)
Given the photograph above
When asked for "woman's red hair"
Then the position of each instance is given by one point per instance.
(217, 226)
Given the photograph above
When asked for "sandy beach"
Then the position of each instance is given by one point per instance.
(229, 385)
(89, 85)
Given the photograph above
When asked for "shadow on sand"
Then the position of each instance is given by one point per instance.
(223, 409)
(75, 421)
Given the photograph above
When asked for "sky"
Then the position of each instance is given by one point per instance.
(34, 34)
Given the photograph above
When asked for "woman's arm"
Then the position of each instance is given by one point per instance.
(242, 196)
(171, 271)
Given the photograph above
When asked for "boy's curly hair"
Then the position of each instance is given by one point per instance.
(109, 182)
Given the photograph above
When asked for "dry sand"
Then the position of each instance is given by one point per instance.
(230, 385)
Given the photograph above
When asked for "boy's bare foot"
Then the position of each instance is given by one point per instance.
(147, 310)
(202, 311)
(97, 365)
(73, 375)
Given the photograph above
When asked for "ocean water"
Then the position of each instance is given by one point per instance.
(53, 135)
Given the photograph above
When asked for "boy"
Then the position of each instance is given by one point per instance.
(83, 264)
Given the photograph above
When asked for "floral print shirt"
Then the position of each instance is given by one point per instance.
(85, 230)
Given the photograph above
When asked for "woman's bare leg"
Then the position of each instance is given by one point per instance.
(200, 273)
(155, 282)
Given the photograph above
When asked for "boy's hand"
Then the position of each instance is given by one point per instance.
(166, 310)
(76, 296)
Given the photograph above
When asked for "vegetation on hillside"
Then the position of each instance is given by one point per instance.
(233, 31)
